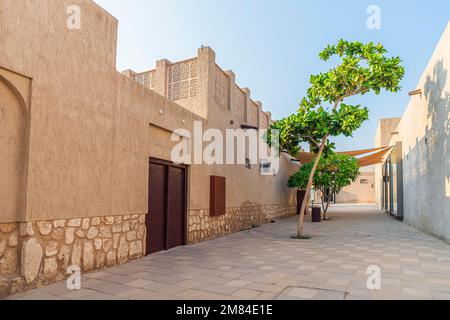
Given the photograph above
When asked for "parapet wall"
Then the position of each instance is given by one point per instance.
(180, 82)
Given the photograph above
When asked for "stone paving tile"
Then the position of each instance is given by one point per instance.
(266, 296)
(302, 293)
(188, 284)
(139, 283)
(418, 293)
(360, 293)
(338, 282)
(102, 296)
(135, 293)
(216, 288)
(150, 295)
(39, 295)
(246, 294)
(265, 263)
(437, 295)
(238, 283)
(56, 289)
(266, 287)
(111, 288)
(329, 295)
(157, 277)
(78, 294)
(202, 295)
(117, 278)
(391, 282)
(351, 297)
(163, 288)
(95, 274)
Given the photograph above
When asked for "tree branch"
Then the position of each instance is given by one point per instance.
(313, 141)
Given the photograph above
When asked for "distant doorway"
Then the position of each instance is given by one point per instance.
(166, 219)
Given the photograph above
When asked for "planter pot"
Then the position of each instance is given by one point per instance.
(316, 214)
(300, 196)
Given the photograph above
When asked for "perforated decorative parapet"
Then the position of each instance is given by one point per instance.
(147, 79)
(221, 94)
(183, 80)
(239, 101)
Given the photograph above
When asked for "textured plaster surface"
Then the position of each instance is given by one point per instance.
(424, 131)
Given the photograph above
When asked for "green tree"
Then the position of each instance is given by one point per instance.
(333, 173)
(363, 68)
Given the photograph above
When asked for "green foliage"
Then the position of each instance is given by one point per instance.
(334, 172)
(364, 68)
(299, 179)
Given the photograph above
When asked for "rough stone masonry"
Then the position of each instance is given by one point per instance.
(34, 254)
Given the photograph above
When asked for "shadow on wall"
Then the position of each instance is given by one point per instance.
(427, 179)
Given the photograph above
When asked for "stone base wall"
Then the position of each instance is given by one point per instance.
(9, 248)
(204, 227)
(34, 254)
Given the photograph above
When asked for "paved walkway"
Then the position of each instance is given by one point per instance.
(265, 263)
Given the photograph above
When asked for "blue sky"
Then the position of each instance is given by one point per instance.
(273, 46)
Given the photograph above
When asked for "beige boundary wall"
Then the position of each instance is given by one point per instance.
(76, 140)
(386, 128)
(361, 191)
(424, 131)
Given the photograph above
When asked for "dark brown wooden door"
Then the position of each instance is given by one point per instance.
(156, 218)
(166, 219)
(176, 207)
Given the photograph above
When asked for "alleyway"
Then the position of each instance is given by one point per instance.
(265, 263)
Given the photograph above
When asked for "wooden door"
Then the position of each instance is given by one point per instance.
(156, 218)
(166, 219)
(176, 207)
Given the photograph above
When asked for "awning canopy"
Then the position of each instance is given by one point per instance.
(376, 156)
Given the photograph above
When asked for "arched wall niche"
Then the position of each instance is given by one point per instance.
(14, 136)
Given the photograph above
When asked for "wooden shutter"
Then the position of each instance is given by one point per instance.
(217, 196)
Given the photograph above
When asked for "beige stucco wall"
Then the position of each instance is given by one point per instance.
(361, 191)
(72, 101)
(424, 131)
(93, 129)
(14, 104)
(385, 130)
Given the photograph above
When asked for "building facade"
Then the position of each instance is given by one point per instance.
(86, 151)
(422, 159)
(361, 191)
(386, 127)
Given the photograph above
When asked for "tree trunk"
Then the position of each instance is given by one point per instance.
(323, 199)
(325, 210)
(311, 177)
(308, 189)
(325, 205)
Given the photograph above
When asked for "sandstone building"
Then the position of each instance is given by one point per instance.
(361, 191)
(414, 182)
(85, 150)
